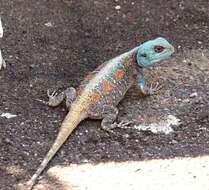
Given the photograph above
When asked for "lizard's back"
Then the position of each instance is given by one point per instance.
(108, 84)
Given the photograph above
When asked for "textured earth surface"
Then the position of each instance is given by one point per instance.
(51, 44)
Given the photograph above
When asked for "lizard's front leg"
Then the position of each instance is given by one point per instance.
(145, 89)
(55, 99)
(108, 114)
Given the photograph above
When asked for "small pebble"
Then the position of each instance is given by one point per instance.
(7, 140)
(8, 115)
(84, 161)
(193, 95)
(186, 100)
(117, 7)
(126, 136)
(48, 24)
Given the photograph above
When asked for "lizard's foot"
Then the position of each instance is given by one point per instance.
(109, 129)
(152, 89)
(109, 114)
(54, 98)
(123, 124)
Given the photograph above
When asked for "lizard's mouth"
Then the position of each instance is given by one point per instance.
(172, 49)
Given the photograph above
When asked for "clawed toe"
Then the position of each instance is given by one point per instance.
(157, 87)
(124, 124)
(153, 89)
(54, 99)
(109, 130)
(53, 94)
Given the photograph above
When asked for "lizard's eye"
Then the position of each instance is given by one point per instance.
(158, 49)
(144, 55)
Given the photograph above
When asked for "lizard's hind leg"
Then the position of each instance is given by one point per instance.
(55, 99)
(108, 114)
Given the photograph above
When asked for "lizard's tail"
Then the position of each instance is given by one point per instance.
(68, 125)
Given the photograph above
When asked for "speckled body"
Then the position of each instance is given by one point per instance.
(109, 85)
(101, 91)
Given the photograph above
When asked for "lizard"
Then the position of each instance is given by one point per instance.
(99, 94)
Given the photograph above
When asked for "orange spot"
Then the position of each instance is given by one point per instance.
(107, 86)
(129, 61)
(119, 74)
(96, 96)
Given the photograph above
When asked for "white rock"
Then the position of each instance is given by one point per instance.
(8, 115)
(193, 95)
(164, 126)
(48, 24)
(118, 7)
(2, 62)
(1, 29)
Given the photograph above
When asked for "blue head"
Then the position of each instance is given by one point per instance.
(153, 51)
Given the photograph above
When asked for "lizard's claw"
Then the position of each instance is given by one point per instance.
(123, 124)
(52, 95)
(54, 98)
(153, 89)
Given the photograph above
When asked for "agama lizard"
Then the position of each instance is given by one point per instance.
(99, 94)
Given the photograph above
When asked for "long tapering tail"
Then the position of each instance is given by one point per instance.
(68, 125)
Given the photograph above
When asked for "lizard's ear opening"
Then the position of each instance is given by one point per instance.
(142, 59)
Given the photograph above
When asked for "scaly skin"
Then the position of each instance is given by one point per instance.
(101, 91)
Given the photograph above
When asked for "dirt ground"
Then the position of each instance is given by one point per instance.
(51, 44)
